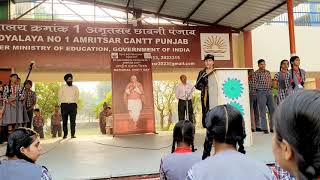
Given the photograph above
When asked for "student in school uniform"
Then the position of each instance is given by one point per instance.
(102, 118)
(296, 142)
(282, 81)
(225, 129)
(23, 150)
(297, 75)
(56, 120)
(38, 123)
(14, 114)
(109, 121)
(176, 165)
(255, 123)
(30, 101)
(262, 80)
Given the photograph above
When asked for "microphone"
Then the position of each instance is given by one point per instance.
(204, 74)
(200, 78)
(32, 63)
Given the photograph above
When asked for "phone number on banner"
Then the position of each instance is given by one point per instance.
(165, 57)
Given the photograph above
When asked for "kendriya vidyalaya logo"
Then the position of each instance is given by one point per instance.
(214, 44)
(217, 44)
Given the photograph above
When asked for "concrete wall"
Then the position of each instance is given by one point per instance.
(271, 42)
(238, 50)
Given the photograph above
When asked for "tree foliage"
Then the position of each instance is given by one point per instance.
(165, 101)
(108, 99)
(103, 88)
(197, 112)
(89, 100)
(47, 97)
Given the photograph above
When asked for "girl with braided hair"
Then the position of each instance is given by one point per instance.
(23, 150)
(14, 111)
(282, 81)
(297, 75)
(176, 165)
(226, 131)
(296, 142)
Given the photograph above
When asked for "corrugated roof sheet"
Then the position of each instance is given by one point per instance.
(211, 10)
(180, 8)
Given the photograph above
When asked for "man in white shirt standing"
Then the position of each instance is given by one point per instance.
(68, 97)
(183, 91)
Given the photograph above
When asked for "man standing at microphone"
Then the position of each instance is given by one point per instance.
(202, 85)
(68, 97)
(184, 94)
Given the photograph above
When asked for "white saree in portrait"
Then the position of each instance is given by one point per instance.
(134, 104)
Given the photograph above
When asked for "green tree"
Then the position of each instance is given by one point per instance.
(47, 97)
(108, 99)
(90, 100)
(102, 88)
(197, 111)
(165, 101)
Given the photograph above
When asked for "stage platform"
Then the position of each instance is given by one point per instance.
(100, 156)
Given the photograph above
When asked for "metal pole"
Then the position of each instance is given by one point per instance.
(51, 10)
(94, 11)
(187, 109)
(30, 10)
(291, 27)
(9, 10)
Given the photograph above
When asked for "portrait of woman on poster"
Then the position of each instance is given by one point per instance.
(134, 97)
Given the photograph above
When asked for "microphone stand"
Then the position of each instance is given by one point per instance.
(24, 84)
(187, 95)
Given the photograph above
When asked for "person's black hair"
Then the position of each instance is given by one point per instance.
(57, 106)
(261, 61)
(283, 62)
(224, 124)
(1, 82)
(67, 76)
(209, 56)
(20, 137)
(292, 59)
(297, 120)
(37, 110)
(182, 76)
(183, 131)
(29, 82)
